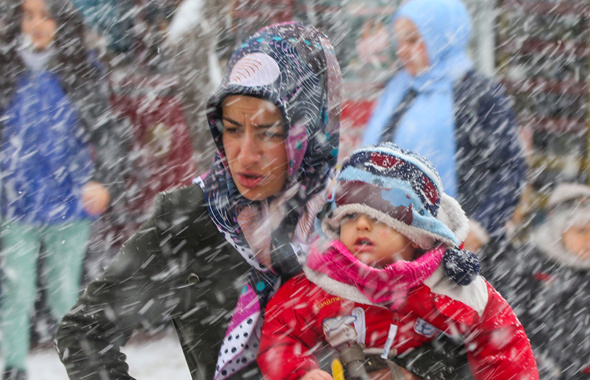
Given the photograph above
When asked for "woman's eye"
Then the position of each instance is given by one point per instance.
(231, 130)
(275, 133)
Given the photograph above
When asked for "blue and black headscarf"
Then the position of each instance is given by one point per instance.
(293, 66)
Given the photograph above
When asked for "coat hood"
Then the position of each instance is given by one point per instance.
(569, 206)
(445, 26)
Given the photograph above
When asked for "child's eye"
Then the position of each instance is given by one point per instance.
(350, 216)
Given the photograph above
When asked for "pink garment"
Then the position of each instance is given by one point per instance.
(389, 285)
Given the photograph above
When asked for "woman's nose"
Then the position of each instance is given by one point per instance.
(400, 49)
(250, 152)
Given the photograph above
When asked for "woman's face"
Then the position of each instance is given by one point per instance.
(254, 143)
(577, 240)
(37, 24)
(411, 49)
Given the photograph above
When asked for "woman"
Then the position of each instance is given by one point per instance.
(462, 122)
(61, 151)
(236, 233)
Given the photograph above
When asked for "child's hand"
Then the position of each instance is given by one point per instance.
(95, 198)
(317, 374)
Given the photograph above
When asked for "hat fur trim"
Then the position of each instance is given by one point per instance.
(450, 214)
(566, 192)
(453, 216)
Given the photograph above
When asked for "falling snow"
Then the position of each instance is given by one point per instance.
(128, 110)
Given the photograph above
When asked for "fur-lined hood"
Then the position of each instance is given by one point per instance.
(569, 206)
(547, 238)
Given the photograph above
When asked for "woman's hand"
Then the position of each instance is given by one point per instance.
(317, 374)
(95, 198)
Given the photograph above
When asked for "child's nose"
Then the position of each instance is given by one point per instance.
(364, 223)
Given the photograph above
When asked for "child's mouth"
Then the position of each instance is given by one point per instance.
(363, 244)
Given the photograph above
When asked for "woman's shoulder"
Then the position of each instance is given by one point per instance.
(187, 197)
(477, 86)
(183, 211)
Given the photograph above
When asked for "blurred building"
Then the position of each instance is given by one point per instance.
(542, 51)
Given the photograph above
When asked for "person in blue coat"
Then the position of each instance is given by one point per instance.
(462, 121)
(61, 155)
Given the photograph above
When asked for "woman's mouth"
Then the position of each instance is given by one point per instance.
(249, 180)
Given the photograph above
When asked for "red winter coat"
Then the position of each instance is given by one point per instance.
(303, 317)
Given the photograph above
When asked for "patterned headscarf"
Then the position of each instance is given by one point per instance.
(293, 66)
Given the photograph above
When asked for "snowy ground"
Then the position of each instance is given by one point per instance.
(158, 358)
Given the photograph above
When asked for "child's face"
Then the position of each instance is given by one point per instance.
(577, 240)
(37, 23)
(374, 243)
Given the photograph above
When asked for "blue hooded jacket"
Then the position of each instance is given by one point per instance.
(427, 126)
(44, 160)
(462, 122)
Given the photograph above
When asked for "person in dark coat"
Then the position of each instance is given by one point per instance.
(213, 252)
(62, 158)
(439, 106)
(547, 282)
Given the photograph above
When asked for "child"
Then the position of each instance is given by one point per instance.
(60, 150)
(379, 282)
(548, 283)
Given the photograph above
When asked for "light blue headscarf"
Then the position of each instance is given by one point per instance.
(428, 127)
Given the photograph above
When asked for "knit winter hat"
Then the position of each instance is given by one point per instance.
(399, 188)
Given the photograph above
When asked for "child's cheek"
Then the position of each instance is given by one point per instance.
(383, 234)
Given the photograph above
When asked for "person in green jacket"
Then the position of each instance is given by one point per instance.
(62, 163)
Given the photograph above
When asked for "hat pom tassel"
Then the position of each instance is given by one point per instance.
(461, 266)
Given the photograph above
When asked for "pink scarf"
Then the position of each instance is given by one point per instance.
(389, 285)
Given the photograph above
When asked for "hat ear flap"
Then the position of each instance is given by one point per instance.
(452, 215)
(461, 266)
